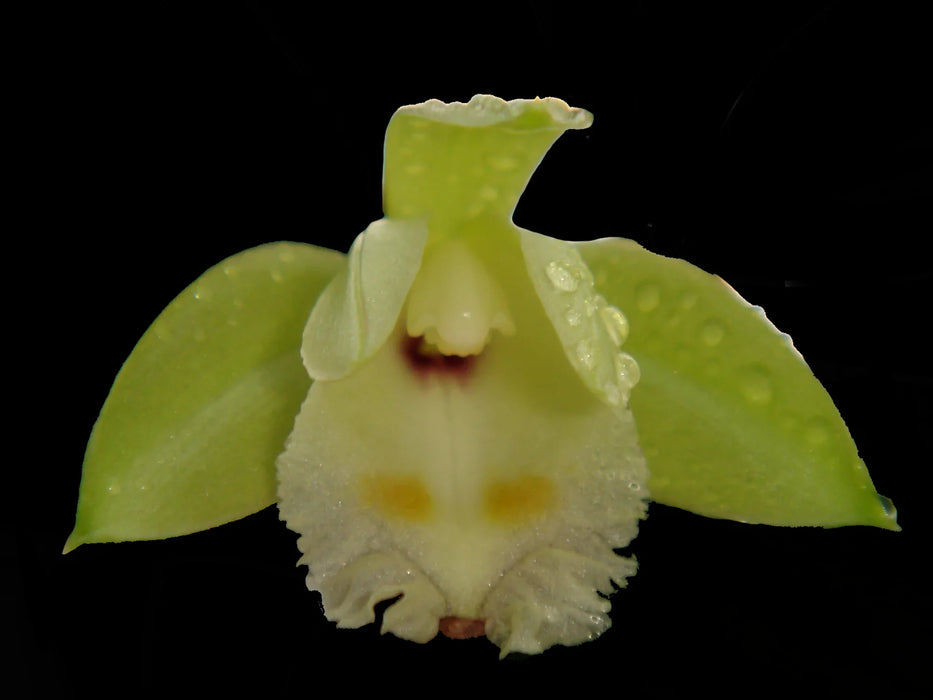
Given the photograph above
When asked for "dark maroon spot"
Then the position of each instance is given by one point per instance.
(424, 359)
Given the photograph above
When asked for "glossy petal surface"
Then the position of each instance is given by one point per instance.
(732, 421)
(188, 436)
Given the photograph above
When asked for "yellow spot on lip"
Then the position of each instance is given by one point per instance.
(402, 497)
(519, 500)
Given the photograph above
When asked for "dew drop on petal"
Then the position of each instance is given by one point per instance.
(756, 385)
(585, 354)
(816, 431)
(591, 305)
(627, 370)
(502, 162)
(648, 296)
(888, 505)
(562, 276)
(613, 394)
(573, 316)
(488, 193)
(616, 324)
(712, 333)
(688, 301)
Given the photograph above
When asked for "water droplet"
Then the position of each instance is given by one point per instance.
(613, 394)
(627, 371)
(888, 506)
(562, 276)
(756, 385)
(488, 193)
(647, 296)
(817, 431)
(616, 324)
(114, 488)
(502, 162)
(712, 333)
(573, 316)
(634, 486)
(585, 354)
(688, 301)
(593, 304)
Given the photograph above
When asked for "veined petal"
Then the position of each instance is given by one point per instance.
(732, 421)
(188, 436)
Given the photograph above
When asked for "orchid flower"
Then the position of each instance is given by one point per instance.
(461, 414)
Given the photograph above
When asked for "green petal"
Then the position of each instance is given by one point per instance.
(590, 330)
(732, 421)
(359, 308)
(456, 162)
(188, 436)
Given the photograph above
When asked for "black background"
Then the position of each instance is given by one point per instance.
(780, 145)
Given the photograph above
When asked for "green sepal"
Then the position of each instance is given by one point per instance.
(731, 419)
(451, 163)
(188, 436)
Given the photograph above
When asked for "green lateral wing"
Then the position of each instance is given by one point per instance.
(731, 419)
(187, 438)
